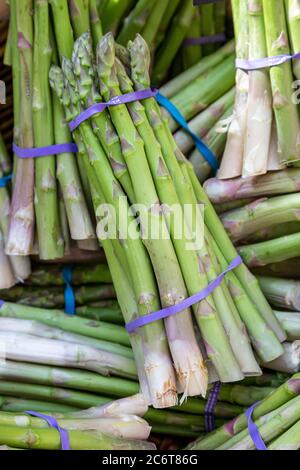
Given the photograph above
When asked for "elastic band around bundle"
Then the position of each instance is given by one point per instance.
(46, 151)
(4, 180)
(214, 39)
(186, 303)
(205, 151)
(70, 301)
(64, 436)
(209, 415)
(203, 2)
(117, 100)
(256, 64)
(254, 431)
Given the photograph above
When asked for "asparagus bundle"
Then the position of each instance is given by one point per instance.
(99, 429)
(77, 82)
(255, 145)
(276, 417)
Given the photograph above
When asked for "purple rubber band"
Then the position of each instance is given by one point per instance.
(64, 436)
(1, 303)
(205, 40)
(256, 64)
(253, 430)
(186, 303)
(212, 400)
(203, 2)
(36, 152)
(121, 99)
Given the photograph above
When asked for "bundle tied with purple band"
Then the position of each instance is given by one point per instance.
(256, 64)
(254, 431)
(186, 303)
(64, 436)
(46, 151)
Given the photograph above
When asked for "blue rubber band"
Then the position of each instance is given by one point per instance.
(4, 180)
(70, 302)
(207, 154)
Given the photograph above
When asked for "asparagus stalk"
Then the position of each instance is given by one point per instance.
(271, 184)
(136, 20)
(49, 439)
(284, 418)
(79, 14)
(38, 329)
(82, 274)
(57, 352)
(289, 268)
(293, 16)
(207, 25)
(204, 91)
(125, 427)
(243, 395)
(176, 34)
(5, 163)
(112, 14)
(278, 397)
(290, 321)
(21, 231)
(215, 139)
(191, 54)
(289, 440)
(268, 233)
(67, 171)
(53, 297)
(203, 122)
(272, 251)
(108, 311)
(282, 293)
(240, 223)
(7, 275)
(178, 83)
(95, 22)
(151, 27)
(48, 223)
(232, 161)
(58, 319)
(281, 80)
(18, 405)
(166, 20)
(259, 107)
(289, 362)
(268, 379)
(68, 378)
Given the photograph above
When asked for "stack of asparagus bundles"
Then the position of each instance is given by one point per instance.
(57, 363)
(264, 132)
(277, 418)
(113, 426)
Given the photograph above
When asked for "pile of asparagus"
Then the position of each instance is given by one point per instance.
(277, 418)
(264, 131)
(165, 24)
(57, 363)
